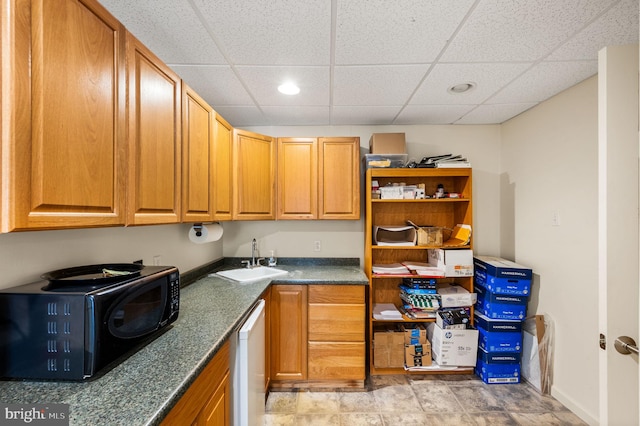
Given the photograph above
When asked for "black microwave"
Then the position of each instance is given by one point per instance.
(77, 321)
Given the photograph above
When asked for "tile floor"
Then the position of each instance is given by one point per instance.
(419, 400)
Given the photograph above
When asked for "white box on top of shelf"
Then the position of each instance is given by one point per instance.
(455, 263)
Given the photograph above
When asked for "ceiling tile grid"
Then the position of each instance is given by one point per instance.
(368, 62)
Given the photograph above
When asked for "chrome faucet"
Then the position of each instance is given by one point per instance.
(254, 249)
(254, 261)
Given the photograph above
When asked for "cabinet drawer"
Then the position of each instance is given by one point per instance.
(336, 294)
(338, 360)
(336, 323)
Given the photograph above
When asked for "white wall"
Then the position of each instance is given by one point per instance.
(480, 144)
(549, 164)
(24, 256)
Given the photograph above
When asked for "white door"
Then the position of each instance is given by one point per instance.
(618, 232)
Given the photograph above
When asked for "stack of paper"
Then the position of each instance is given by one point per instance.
(386, 311)
(446, 160)
(390, 269)
(424, 269)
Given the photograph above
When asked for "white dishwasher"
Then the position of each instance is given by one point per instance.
(249, 370)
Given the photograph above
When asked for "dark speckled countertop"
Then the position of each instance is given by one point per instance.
(143, 388)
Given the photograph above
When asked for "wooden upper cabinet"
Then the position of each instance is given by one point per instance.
(197, 157)
(154, 93)
(297, 178)
(254, 162)
(339, 178)
(319, 178)
(63, 115)
(222, 169)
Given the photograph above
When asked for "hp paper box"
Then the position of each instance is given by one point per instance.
(453, 347)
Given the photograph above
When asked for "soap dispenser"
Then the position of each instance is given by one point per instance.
(272, 259)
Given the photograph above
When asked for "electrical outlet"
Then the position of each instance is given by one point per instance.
(157, 260)
(317, 246)
(555, 218)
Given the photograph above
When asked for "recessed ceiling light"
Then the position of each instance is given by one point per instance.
(461, 88)
(289, 88)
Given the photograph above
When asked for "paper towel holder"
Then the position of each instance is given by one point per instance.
(197, 227)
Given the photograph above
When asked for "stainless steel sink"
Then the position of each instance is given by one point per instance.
(251, 274)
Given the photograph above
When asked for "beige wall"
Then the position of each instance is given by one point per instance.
(26, 255)
(549, 166)
(480, 144)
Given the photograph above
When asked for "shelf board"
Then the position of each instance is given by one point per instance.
(403, 276)
(426, 200)
(403, 320)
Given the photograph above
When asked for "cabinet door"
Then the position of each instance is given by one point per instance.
(154, 138)
(297, 178)
(217, 409)
(63, 115)
(288, 332)
(197, 157)
(339, 178)
(254, 176)
(207, 401)
(222, 169)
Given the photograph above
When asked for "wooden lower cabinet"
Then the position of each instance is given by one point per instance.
(288, 333)
(317, 335)
(207, 401)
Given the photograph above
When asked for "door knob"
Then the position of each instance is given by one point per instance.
(625, 345)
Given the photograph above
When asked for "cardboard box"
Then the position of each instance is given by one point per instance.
(429, 236)
(519, 287)
(455, 263)
(454, 296)
(388, 349)
(502, 268)
(414, 334)
(498, 373)
(499, 341)
(500, 306)
(499, 357)
(453, 347)
(387, 143)
(417, 355)
(497, 325)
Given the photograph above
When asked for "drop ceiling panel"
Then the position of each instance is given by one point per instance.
(170, 28)
(618, 26)
(298, 116)
(522, 30)
(487, 77)
(239, 116)
(537, 84)
(395, 32)
(378, 61)
(283, 32)
(492, 114)
(263, 82)
(217, 84)
(376, 86)
(363, 115)
(432, 114)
